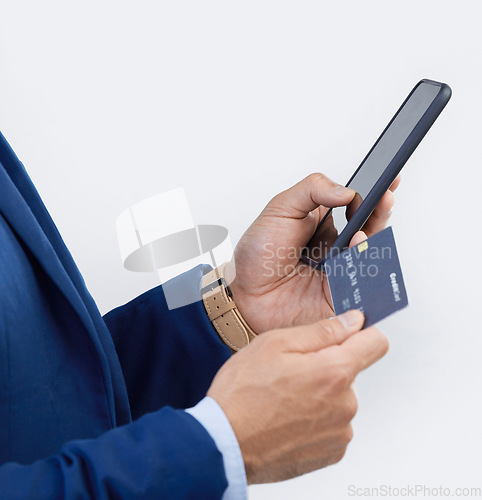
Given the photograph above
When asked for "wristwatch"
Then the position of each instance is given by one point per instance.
(222, 311)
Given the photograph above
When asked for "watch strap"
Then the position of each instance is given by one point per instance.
(222, 311)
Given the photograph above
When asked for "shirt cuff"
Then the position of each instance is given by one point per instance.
(209, 414)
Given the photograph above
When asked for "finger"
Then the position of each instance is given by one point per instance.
(353, 206)
(309, 194)
(380, 216)
(325, 333)
(395, 183)
(358, 238)
(362, 350)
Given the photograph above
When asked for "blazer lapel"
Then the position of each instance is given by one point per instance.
(24, 210)
(22, 220)
(21, 181)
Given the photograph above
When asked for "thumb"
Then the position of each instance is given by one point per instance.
(325, 333)
(308, 194)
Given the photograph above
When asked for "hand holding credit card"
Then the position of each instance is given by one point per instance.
(368, 277)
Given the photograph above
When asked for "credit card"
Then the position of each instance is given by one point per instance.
(368, 277)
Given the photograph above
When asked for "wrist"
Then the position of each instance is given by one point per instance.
(242, 303)
(248, 304)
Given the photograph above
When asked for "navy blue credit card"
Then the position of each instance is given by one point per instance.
(368, 277)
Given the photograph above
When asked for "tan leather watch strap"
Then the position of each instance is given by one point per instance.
(222, 311)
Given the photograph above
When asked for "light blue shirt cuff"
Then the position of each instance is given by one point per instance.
(209, 414)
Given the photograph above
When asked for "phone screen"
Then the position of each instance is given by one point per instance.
(373, 167)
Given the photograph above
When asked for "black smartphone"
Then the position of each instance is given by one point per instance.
(378, 170)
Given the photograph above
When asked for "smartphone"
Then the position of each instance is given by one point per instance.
(378, 170)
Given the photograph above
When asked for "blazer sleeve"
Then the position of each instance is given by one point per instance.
(168, 356)
(165, 454)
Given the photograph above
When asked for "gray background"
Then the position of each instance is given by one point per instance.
(108, 103)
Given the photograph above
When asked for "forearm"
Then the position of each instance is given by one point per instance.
(168, 357)
(150, 458)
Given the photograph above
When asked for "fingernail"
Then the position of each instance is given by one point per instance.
(350, 318)
(342, 190)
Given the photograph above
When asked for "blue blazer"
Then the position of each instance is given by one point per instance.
(91, 406)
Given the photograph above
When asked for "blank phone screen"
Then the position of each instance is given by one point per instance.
(375, 163)
(393, 138)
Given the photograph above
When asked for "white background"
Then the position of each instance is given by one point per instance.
(108, 103)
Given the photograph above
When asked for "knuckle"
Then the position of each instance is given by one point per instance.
(317, 178)
(344, 438)
(377, 342)
(385, 344)
(381, 340)
(350, 407)
(327, 329)
(347, 435)
(338, 456)
(342, 376)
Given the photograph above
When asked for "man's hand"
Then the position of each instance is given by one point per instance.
(272, 288)
(289, 398)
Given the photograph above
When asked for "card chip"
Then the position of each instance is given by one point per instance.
(362, 246)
